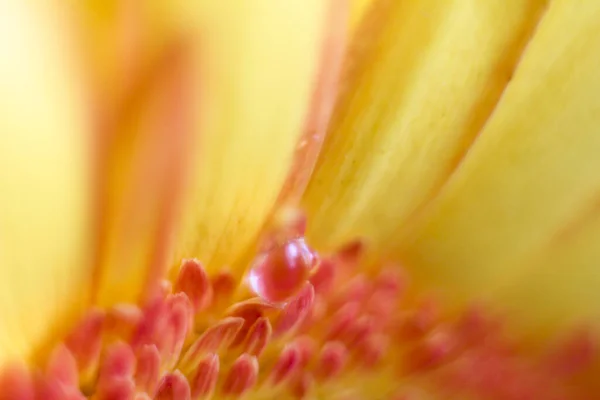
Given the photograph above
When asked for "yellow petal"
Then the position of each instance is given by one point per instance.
(143, 157)
(116, 38)
(358, 10)
(258, 62)
(421, 80)
(559, 287)
(325, 89)
(44, 176)
(533, 171)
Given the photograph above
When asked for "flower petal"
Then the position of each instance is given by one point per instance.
(322, 103)
(144, 152)
(358, 10)
(421, 80)
(532, 173)
(259, 61)
(559, 287)
(44, 175)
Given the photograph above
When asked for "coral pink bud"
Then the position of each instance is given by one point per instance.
(205, 378)
(193, 281)
(258, 337)
(148, 368)
(173, 386)
(288, 363)
(217, 336)
(119, 362)
(295, 312)
(85, 340)
(242, 376)
(331, 361)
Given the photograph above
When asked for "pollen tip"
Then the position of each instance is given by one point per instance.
(118, 362)
(178, 324)
(85, 340)
(306, 347)
(331, 361)
(342, 320)
(148, 368)
(194, 282)
(173, 386)
(218, 336)
(242, 375)
(258, 337)
(295, 312)
(286, 365)
(205, 378)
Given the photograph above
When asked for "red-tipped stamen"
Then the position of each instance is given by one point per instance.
(331, 361)
(194, 282)
(296, 311)
(214, 338)
(242, 376)
(85, 341)
(258, 337)
(148, 368)
(204, 379)
(173, 386)
(286, 366)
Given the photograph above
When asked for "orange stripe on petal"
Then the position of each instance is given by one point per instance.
(144, 167)
(324, 96)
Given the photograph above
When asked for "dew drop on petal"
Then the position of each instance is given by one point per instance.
(279, 273)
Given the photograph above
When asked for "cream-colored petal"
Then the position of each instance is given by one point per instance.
(421, 79)
(558, 288)
(533, 171)
(44, 177)
(257, 65)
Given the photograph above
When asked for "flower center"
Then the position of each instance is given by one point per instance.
(317, 328)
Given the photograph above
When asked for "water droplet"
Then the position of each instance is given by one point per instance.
(279, 273)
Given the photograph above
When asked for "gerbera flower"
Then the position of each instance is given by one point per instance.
(299, 199)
